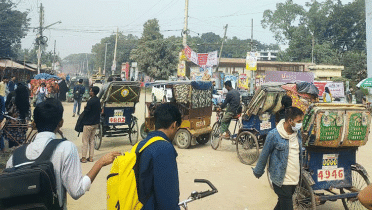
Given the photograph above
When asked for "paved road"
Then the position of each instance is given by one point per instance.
(238, 188)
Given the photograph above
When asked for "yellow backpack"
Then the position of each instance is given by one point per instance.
(121, 182)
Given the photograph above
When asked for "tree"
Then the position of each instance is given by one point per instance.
(126, 43)
(156, 56)
(30, 56)
(13, 27)
(75, 63)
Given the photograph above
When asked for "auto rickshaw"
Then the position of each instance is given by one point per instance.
(194, 100)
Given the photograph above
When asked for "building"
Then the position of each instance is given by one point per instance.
(267, 55)
(326, 72)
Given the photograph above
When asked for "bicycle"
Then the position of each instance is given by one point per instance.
(215, 137)
(198, 195)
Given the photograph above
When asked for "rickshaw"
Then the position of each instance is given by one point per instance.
(332, 134)
(118, 106)
(194, 100)
(259, 118)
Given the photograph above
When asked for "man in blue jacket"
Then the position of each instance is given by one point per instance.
(283, 145)
(158, 186)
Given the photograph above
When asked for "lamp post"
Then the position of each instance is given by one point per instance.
(104, 65)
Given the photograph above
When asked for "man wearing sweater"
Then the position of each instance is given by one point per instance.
(283, 147)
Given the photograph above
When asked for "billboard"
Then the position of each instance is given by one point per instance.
(288, 76)
(336, 88)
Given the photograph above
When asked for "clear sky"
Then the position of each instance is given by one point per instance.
(85, 22)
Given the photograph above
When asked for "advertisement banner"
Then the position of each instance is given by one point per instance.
(336, 88)
(202, 59)
(212, 59)
(232, 78)
(125, 69)
(251, 61)
(201, 74)
(289, 76)
(181, 72)
(243, 82)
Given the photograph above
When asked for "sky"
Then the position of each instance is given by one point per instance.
(86, 22)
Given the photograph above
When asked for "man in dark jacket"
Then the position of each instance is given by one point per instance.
(158, 186)
(92, 114)
(79, 91)
(359, 96)
(233, 100)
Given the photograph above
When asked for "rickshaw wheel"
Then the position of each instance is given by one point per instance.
(183, 138)
(247, 147)
(142, 131)
(215, 135)
(133, 132)
(303, 197)
(203, 139)
(98, 137)
(359, 181)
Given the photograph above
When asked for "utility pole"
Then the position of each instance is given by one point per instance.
(54, 56)
(312, 49)
(104, 64)
(116, 46)
(369, 36)
(86, 57)
(252, 72)
(184, 42)
(40, 37)
(220, 54)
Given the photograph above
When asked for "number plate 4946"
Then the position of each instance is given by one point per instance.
(331, 174)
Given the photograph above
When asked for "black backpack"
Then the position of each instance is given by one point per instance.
(30, 186)
(78, 93)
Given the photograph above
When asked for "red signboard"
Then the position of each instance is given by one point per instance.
(125, 69)
(336, 88)
(202, 59)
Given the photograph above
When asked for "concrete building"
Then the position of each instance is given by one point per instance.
(326, 72)
(267, 55)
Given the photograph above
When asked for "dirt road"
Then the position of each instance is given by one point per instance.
(236, 184)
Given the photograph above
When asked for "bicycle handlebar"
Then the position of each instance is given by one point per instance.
(214, 189)
(198, 195)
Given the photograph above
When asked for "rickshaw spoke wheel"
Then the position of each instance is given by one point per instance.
(183, 138)
(304, 198)
(359, 181)
(98, 137)
(215, 135)
(133, 132)
(247, 147)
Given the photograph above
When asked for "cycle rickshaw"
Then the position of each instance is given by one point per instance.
(332, 134)
(259, 118)
(118, 106)
(194, 100)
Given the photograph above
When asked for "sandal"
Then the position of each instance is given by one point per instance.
(90, 159)
(83, 160)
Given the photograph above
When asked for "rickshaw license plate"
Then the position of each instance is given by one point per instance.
(330, 174)
(265, 125)
(117, 119)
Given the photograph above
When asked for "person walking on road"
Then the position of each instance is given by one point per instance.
(158, 185)
(65, 159)
(282, 147)
(233, 100)
(91, 119)
(63, 89)
(79, 91)
(359, 96)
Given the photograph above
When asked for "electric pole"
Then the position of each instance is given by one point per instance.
(252, 72)
(54, 56)
(104, 64)
(186, 23)
(40, 37)
(116, 46)
(220, 54)
(369, 36)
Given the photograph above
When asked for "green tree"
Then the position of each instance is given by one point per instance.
(13, 27)
(76, 62)
(126, 43)
(156, 56)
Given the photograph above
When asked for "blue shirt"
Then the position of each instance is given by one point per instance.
(277, 149)
(11, 85)
(158, 174)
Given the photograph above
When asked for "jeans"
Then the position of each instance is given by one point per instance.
(285, 194)
(77, 102)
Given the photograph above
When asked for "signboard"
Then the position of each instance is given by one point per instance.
(201, 74)
(243, 82)
(232, 78)
(202, 59)
(289, 76)
(181, 72)
(251, 61)
(125, 69)
(336, 88)
(218, 77)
